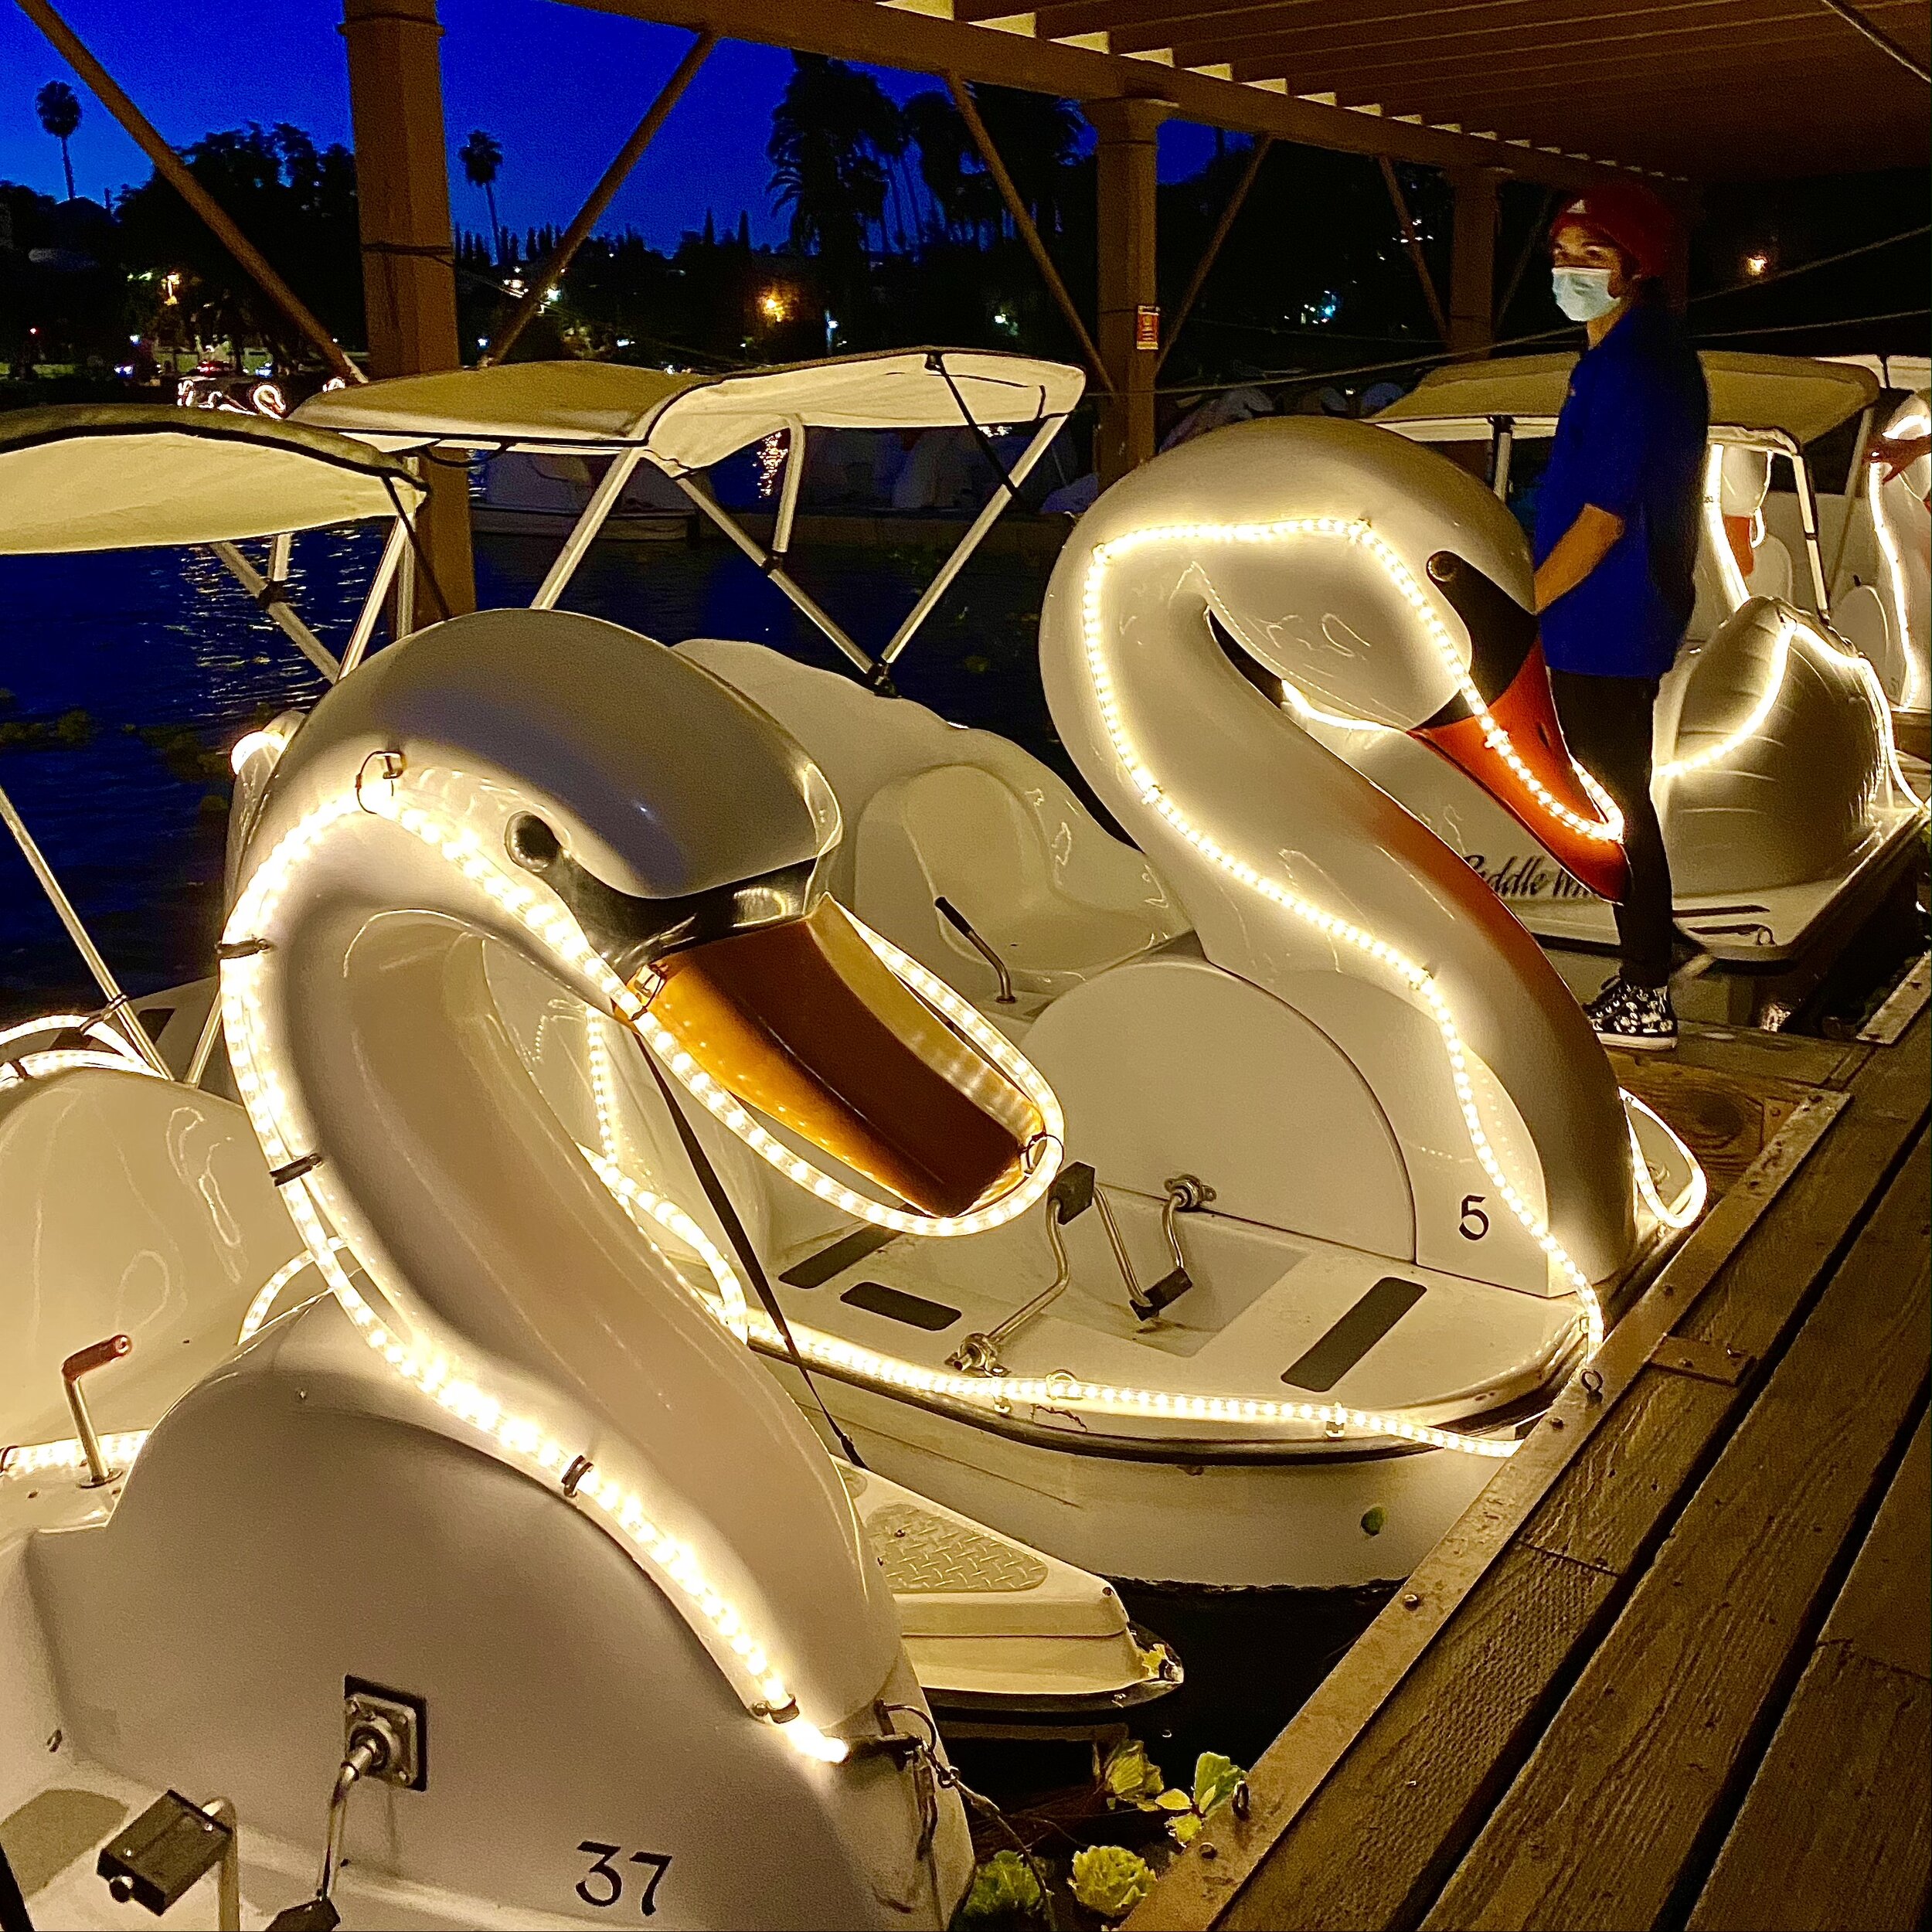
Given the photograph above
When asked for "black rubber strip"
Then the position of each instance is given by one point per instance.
(1352, 1338)
(896, 1305)
(816, 1270)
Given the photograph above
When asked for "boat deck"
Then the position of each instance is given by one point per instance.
(1673, 1667)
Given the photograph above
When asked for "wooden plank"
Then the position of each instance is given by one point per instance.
(1748, 1049)
(1836, 1830)
(1599, 1826)
(1725, 1119)
(1437, 1757)
(1901, 1005)
(1198, 1888)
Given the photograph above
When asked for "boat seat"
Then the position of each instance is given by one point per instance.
(128, 1205)
(1057, 906)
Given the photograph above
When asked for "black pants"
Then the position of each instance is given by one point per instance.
(1607, 722)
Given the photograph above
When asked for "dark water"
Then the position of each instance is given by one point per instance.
(127, 674)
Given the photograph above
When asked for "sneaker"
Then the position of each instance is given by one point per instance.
(1638, 1018)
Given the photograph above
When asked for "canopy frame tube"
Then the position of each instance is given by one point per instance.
(990, 513)
(788, 489)
(583, 533)
(266, 592)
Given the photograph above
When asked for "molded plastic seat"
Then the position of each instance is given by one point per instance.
(1057, 909)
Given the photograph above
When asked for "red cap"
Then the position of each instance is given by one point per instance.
(1628, 215)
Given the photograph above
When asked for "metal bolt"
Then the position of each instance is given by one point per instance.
(1411, 1600)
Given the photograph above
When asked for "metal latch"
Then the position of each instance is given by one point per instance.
(1703, 1361)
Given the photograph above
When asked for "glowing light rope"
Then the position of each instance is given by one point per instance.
(1716, 539)
(729, 1306)
(435, 1370)
(1914, 424)
(1417, 978)
(1608, 829)
(1722, 748)
(113, 1052)
(1675, 1218)
(266, 1295)
(37, 1458)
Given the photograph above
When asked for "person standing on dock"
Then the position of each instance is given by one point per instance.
(1616, 542)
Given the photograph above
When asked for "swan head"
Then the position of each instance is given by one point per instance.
(584, 781)
(1366, 582)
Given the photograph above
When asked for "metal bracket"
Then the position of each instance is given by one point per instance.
(401, 1721)
(1702, 1361)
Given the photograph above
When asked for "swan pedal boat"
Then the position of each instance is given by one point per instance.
(1348, 1189)
(335, 1447)
(1787, 809)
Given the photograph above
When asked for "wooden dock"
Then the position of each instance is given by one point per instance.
(1672, 1667)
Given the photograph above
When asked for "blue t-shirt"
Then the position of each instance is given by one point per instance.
(1631, 440)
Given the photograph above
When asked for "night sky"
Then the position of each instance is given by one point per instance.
(559, 87)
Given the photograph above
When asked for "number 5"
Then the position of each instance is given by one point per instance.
(1474, 1223)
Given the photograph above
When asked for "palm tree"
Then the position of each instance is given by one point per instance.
(59, 113)
(481, 156)
(834, 133)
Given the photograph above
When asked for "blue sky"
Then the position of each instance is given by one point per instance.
(559, 85)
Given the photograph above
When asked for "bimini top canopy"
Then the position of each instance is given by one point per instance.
(1789, 393)
(121, 476)
(689, 422)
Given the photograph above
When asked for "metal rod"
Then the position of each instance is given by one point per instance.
(168, 165)
(963, 926)
(1808, 516)
(97, 1355)
(281, 549)
(1135, 1294)
(979, 1354)
(788, 489)
(119, 1008)
(275, 607)
(371, 610)
(768, 566)
(604, 500)
(990, 513)
(1412, 241)
(205, 1041)
(1882, 41)
(988, 153)
(600, 196)
(1857, 482)
(228, 1881)
(1257, 155)
(1505, 448)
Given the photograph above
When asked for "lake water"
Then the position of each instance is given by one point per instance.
(127, 674)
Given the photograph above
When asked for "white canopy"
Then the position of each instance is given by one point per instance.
(689, 422)
(1802, 398)
(124, 476)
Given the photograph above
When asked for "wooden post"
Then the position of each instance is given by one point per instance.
(1472, 262)
(409, 267)
(1129, 303)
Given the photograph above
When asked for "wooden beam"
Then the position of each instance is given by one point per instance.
(1412, 241)
(1023, 221)
(600, 199)
(1472, 262)
(170, 167)
(1127, 297)
(917, 42)
(409, 257)
(1209, 255)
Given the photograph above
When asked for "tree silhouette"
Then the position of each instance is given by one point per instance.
(59, 113)
(835, 133)
(481, 156)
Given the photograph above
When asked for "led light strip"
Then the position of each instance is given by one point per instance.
(1331, 925)
(1909, 694)
(1608, 829)
(265, 1296)
(1716, 539)
(115, 1053)
(35, 1458)
(1767, 698)
(1699, 1192)
(730, 1307)
(437, 1371)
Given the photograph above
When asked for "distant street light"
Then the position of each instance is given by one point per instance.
(1757, 262)
(773, 305)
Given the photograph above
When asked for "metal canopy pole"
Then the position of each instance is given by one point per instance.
(168, 165)
(386, 570)
(1858, 480)
(989, 514)
(604, 500)
(768, 566)
(119, 1008)
(1204, 267)
(600, 197)
(788, 489)
(275, 607)
(969, 113)
(1808, 516)
(1412, 241)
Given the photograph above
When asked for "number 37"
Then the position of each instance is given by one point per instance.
(603, 1885)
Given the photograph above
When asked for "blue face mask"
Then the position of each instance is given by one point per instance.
(1583, 293)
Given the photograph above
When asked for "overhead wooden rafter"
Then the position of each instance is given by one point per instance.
(1552, 90)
